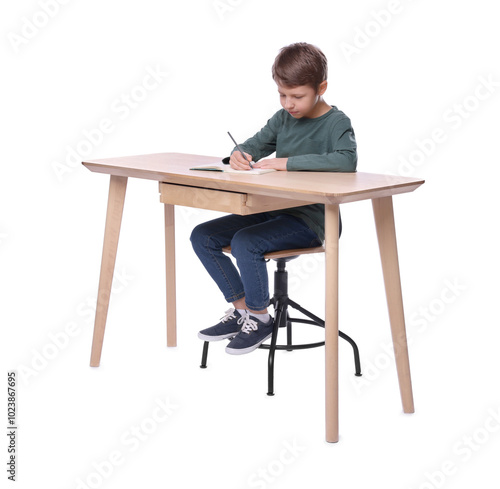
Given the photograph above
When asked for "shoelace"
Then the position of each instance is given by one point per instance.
(249, 325)
(229, 314)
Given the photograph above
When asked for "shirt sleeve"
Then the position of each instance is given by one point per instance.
(263, 143)
(342, 158)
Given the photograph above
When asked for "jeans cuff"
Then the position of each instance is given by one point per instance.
(257, 308)
(235, 297)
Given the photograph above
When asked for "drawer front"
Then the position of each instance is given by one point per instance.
(203, 198)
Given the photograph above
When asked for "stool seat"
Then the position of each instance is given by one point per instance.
(291, 254)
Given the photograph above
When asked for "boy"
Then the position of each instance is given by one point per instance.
(307, 134)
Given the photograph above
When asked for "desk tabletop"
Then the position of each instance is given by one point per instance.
(320, 187)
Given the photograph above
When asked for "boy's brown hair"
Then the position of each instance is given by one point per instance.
(300, 64)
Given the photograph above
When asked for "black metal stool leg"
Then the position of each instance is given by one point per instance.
(204, 355)
(280, 314)
(288, 331)
(357, 363)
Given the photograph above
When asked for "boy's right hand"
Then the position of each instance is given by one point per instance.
(238, 162)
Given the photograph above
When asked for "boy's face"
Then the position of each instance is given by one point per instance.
(301, 101)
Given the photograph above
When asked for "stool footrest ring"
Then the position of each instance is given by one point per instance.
(293, 347)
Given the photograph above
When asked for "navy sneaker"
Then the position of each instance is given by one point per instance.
(229, 326)
(253, 333)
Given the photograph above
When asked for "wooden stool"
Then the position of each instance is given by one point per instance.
(281, 302)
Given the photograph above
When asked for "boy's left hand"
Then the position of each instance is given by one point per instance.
(276, 163)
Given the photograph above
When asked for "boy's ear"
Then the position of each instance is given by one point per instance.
(322, 87)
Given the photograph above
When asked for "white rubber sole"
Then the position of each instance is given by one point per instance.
(205, 337)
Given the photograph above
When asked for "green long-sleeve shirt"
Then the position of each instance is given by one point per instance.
(326, 143)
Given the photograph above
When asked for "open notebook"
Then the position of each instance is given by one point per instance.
(227, 169)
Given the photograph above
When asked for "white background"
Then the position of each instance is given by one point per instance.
(404, 72)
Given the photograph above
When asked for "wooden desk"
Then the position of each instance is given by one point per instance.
(247, 194)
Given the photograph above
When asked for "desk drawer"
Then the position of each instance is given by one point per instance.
(202, 198)
(222, 200)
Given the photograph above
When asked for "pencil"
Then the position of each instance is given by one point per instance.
(239, 149)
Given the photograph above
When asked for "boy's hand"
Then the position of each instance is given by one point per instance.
(237, 162)
(276, 163)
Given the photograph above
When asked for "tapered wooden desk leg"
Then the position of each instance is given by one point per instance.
(170, 272)
(386, 234)
(332, 323)
(116, 199)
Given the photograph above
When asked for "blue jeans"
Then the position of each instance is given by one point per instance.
(250, 238)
